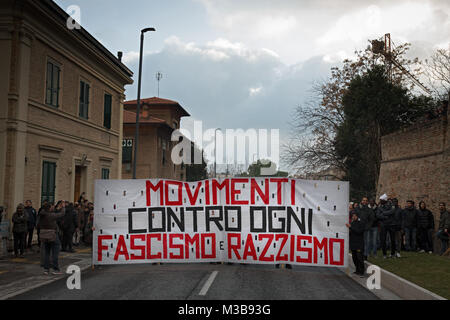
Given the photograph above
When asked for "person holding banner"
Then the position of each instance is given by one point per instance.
(357, 228)
(89, 226)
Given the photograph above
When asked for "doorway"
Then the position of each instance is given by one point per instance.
(79, 182)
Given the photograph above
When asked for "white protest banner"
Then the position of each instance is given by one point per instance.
(240, 220)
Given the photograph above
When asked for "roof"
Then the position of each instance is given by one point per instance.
(82, 33)
(158, 102)
(129, 117)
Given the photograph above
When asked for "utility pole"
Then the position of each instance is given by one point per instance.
(138, 107)
(215, 151)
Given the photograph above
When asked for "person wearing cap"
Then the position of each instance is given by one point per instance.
(385, 214)
(410, 225)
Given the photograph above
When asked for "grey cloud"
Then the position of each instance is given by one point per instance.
(217, 91)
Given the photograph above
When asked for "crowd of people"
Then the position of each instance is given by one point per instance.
(59, 227)
(385, 225)
(389, 226)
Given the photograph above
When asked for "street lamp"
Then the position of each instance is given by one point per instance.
(138, 108)
(215, 151)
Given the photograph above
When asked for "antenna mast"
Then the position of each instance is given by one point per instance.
(385, 48)
(159, 76)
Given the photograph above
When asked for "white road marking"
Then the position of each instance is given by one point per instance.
(208, 283)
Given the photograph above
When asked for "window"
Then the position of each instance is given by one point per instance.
(52, 87)
(48, 181)
(84, 100)
(107, 111)
(127, 151)
(105, 174)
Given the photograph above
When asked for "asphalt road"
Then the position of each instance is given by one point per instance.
(205, 282)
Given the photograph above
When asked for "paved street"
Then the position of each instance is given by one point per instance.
(205, 282)
(19, 275)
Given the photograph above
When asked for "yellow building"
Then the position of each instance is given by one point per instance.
(158, 119)
(61, 106)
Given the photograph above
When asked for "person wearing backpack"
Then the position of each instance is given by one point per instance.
(49, 236)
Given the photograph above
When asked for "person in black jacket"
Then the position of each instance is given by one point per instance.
(367, 215)
(20, 226)
(443, 233)
(70, 223)
(48, 221)
(425, 223)
(356, 228)
(409, 225)
(385, 214)
(373, 231)
(397, 226)
(32, 216)
(38, 229)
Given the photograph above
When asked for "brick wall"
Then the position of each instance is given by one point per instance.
(416, 164)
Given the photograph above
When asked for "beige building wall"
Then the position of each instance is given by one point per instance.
(32, 131)
(150, 158)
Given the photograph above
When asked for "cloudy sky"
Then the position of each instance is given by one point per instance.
(249, 63)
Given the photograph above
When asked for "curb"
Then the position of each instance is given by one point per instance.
(403, 288)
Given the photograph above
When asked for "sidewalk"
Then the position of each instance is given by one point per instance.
(18, 275)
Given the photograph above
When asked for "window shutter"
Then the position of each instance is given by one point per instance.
(55, 86)
(107, 111)
(81, 99)
(86, 102)
(48, 97)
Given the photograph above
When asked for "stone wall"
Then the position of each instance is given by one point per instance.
(416, 164)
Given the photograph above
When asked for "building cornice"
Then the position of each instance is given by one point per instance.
(51, 134)
(50, 148)
(69, 116)
(60, 18)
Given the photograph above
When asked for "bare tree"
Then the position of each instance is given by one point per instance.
(437, 71)
(311, 147)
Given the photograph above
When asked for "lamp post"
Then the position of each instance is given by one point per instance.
(138, 108)
(215, 151)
